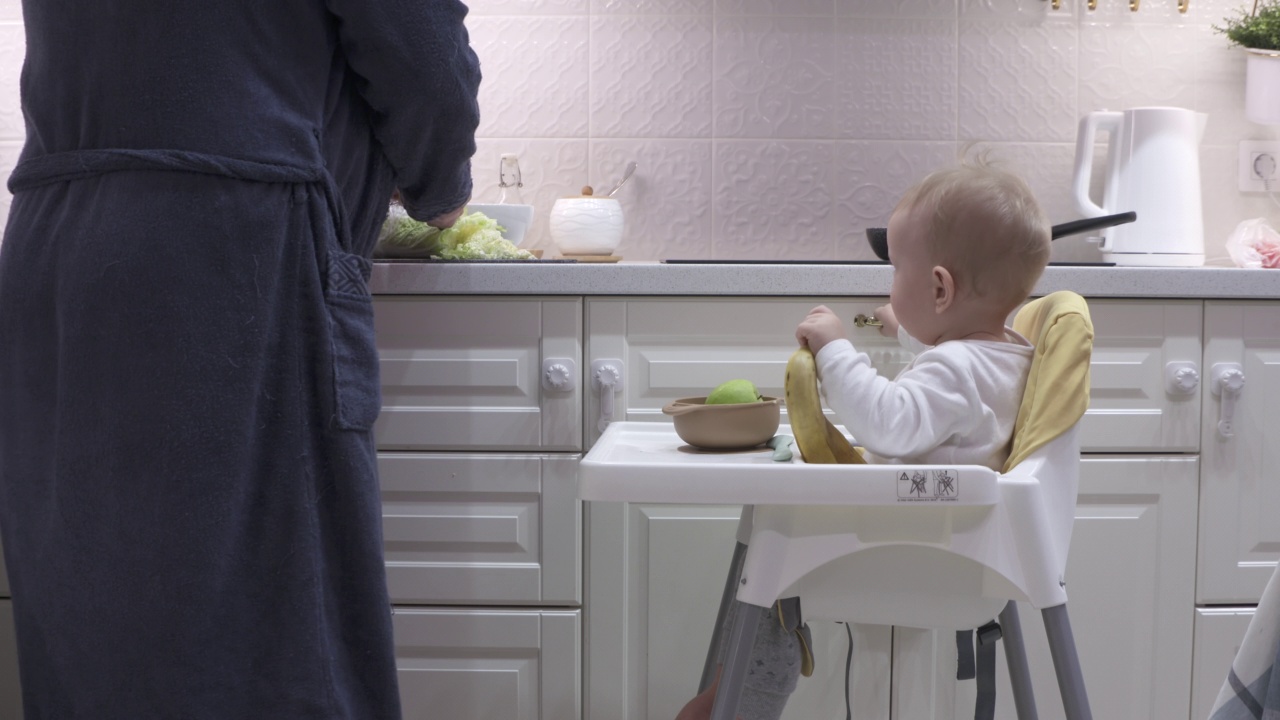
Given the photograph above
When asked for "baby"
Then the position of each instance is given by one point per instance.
(967, 245)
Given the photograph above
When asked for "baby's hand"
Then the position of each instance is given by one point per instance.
(888, 321)
(820, 327)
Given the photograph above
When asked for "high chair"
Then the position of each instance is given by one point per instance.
(941, 563)
(947, 547)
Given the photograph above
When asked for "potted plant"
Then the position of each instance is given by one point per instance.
(1258, 32)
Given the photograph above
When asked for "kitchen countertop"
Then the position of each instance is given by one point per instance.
(653, 278)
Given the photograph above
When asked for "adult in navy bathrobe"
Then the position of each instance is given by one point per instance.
(188, 499)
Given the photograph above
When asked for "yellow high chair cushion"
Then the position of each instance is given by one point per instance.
(1057, 391)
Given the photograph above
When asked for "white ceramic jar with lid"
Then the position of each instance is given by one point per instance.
(586, 224)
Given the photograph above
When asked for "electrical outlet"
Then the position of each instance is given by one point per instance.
(1259, 161)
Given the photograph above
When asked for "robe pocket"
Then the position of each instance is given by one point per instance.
(356, 387)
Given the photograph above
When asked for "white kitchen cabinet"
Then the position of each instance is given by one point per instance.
(467, 373)
(655, 576)
(10, 691)
(1130, 408)
(1239, 495)
(1219, 633)
(507, 664)
(479, 439)
(481, 528)
(1131, 586)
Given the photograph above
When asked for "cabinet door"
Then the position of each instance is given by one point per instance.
(487, 529)
(1239, 494)
(1129, 408)
(10, 690)
(522, 665)
(1131, 584)
(655, 574)
(1219, 632)
(673, 347)
(467, 373)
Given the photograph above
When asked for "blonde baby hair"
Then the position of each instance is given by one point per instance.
(985, 226)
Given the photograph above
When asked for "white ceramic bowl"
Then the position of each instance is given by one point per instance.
(514, 219)
(586, 225)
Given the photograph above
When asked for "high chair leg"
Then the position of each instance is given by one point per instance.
(1066, 663)
(717, 635)
(734, 675)
(1015, 655)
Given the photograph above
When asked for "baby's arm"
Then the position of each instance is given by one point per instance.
(906, 417)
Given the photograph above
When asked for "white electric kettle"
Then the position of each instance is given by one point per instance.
(1153, 169)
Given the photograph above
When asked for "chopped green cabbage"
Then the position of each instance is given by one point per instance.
(475, 236)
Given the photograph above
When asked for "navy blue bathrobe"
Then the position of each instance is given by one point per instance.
(188, 499)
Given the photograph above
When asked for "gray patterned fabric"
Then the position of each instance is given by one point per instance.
(1252, 688)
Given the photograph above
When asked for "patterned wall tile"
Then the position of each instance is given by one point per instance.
(903, 9)
(1134, 66)
(667, 202)
(1220, 81)
(1199, 12)
(867, 181)
(896, 79)
(652, 7)
(9, 152)
(550, 169)
(796, 8)
(528, 7)
(1225, 206)
(1039, 11)
(773, 200)
(651, 76)
(12, 50)
(1017, 81)
(535, 76)
(773, 77)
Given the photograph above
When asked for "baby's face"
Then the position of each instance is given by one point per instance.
(912, 294)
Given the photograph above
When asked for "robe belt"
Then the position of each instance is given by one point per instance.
(83, 164)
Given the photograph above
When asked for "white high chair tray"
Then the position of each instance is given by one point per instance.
(648, 462)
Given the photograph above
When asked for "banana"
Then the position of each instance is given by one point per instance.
(819, 441)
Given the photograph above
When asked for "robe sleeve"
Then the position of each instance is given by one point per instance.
(421, 79)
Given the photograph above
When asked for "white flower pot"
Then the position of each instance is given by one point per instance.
(1262, 86)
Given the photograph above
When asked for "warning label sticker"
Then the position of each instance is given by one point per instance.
(928, 485)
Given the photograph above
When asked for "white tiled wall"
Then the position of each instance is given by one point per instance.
(783, 128)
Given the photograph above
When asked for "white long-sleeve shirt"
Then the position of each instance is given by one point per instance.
(955, 404)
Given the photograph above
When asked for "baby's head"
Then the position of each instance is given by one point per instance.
(968, 242)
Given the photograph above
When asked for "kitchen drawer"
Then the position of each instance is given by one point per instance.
(1219, 632)
(509, 664)
(466, 373)
(684, 347)
(1129, 407)
(482, 528)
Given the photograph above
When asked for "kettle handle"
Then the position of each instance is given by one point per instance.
(1108, 122)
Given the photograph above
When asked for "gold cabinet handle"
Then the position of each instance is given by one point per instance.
(1183, 5)
(1133, 5)
(861, 320)
(1093, 4)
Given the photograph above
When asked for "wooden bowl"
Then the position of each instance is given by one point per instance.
(730, 426)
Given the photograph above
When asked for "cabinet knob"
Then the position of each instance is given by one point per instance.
(559, 374)
(1181, 378)
(606, 377)
(1228, 383)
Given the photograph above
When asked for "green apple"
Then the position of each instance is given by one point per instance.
(734, 391)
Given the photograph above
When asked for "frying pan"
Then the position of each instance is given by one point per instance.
(878, 237)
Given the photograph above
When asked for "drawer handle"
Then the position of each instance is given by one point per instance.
(1228, 382)
(606, 377)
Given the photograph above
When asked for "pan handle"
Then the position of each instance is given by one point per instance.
(1075, 227)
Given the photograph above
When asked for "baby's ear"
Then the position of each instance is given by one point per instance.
(944, 289)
